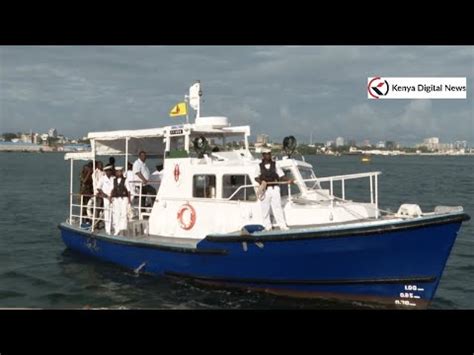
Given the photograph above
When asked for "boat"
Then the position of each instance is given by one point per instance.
(365, 159)
(205, 222)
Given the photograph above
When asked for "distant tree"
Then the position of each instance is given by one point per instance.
(9, 136)
(341, 149)
(52, 141)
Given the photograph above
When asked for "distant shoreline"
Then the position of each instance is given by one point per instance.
(327, 155)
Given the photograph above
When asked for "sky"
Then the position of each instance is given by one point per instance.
(278, 90)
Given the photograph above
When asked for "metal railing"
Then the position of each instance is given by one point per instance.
(140, 195)
(373, 178)
(96, 217)
(257, 186)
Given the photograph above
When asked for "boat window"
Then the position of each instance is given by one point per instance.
(177, 148)
(308, 174)
(232, 183)
(204, 186)
(284, 188)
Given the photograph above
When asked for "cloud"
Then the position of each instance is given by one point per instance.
(278, 90)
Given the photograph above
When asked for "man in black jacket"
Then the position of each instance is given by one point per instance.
(268, 175)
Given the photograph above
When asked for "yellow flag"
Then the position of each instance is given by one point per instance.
(179, 110)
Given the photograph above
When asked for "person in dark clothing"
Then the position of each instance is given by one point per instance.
(120, 202)
(86, 188)
(112, 163)
(267, 174)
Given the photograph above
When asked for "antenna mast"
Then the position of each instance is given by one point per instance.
(195, 94)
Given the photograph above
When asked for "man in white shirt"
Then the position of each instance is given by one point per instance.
(131, 178)
(98, 173)
(156, 177)
(143, 174)
(105, 187)
(266, 174)
(120, 201)
(96, 176)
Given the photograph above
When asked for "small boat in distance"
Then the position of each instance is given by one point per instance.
(205, 224)
(365, 159)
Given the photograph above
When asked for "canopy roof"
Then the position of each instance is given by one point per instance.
(113, 142)
(152, 140)
(79, 156)
(136, 133)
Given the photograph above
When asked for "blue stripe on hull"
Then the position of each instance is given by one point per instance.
(379, 267)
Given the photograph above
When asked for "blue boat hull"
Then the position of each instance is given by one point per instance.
(399, 264)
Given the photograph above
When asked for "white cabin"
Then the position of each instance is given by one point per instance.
(216, 192)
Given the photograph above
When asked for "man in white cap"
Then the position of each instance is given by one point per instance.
(120, 201)
(105, 187)
(268, 174)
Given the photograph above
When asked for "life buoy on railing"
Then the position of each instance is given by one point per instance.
(186, 216)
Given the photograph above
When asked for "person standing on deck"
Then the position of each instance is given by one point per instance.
(98, 173)
(86, 187)
(142, 173)
(120, 201)
(112, 163)
(105, 187)
(131, 177)
(267, 173)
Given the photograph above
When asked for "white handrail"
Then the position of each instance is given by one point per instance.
(373, 179)
(371, 190)
(256, 187)
(345, 177)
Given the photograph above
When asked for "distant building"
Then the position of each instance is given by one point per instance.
(460, 145)
(366, 143)
(262, 139)
(44, 138)
(329, 143)
(381, 144)
(53, 132)
(26, 138)
(431, 140)
(432, 144)
(62, 139)
(339, 142)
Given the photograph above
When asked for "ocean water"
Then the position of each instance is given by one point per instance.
(37, 271)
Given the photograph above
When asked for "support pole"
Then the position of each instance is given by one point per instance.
(71, 191)
(371, 190)
(376, 197)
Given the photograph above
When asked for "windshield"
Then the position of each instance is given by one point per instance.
(310, 178)
(294, 189)
(223, 144)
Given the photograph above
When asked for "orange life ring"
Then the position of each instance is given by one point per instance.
(186, 222)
